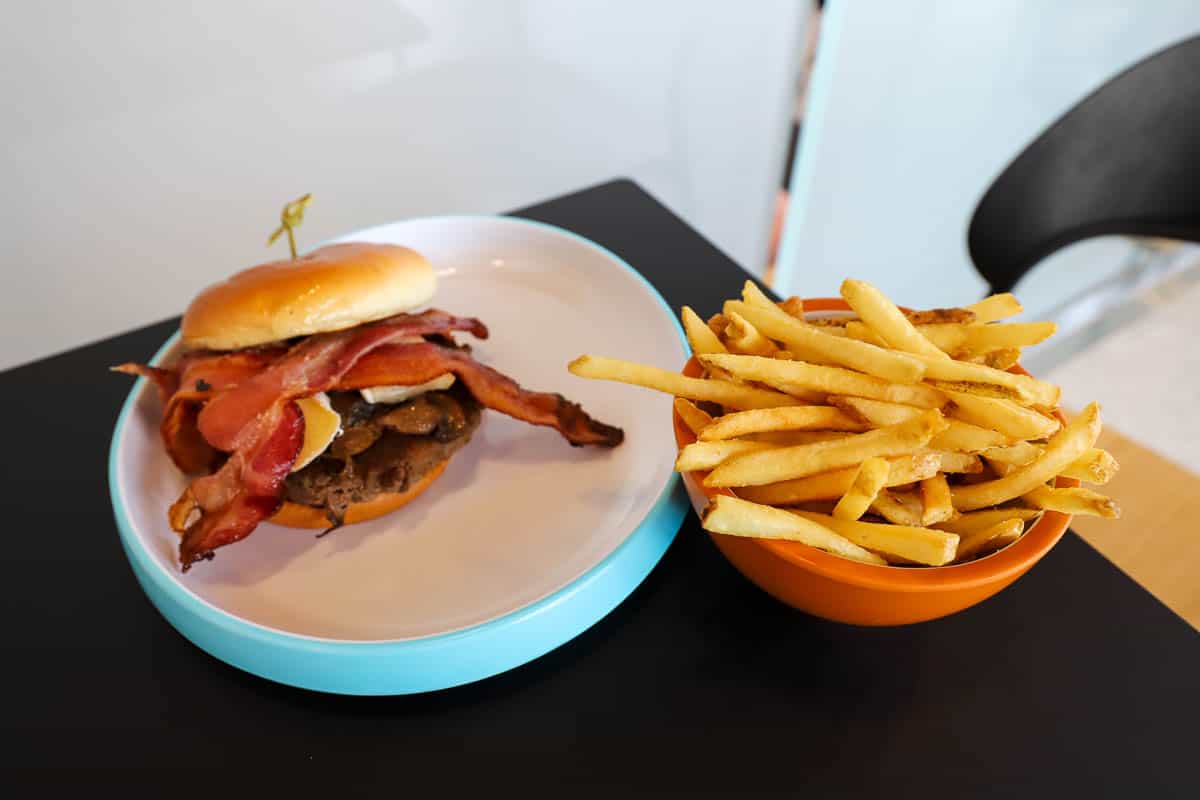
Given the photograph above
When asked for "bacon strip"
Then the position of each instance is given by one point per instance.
(417, 363)
(183, 390)
(247, 489)
(313, 366)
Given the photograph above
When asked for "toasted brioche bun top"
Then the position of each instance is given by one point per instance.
(329, 289)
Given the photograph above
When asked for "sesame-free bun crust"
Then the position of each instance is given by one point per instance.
(329, 289)
(294, 515)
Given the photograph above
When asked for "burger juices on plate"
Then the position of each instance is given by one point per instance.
(309, 394)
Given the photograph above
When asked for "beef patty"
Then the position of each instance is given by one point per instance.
(383, 448)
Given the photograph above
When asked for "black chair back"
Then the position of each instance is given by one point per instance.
(1125, 160)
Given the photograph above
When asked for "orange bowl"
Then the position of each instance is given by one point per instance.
(842, 590)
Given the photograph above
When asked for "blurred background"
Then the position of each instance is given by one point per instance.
(148, 147)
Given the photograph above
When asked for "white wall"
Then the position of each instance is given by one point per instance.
(916, 107)
(146, 147)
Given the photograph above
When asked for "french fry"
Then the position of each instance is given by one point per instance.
(735, 517)
(717, 323)
(797, 437)
(996, 306)
(755, 469)
(798, 375)
(935, 499)
(699, 335)
(757, 297)
(742, 337)
(1094, 466)
(856, 329)
(802, 338)
(898, 508)
(959, 436)
(1002, 416)
(870, 477)
(937, 316)
(881, 314)
(948, 337)
(1029, 391)
(1063, 448)
(1073, 501)
(958, 462)
(1014, 454)
(967, 340)
(795, 418)
(974, 521)
(695, 418)
(1000, 541)
(973, 543)
(794, 306)
(1000, 359)
(985, 338)
(706, 455)
(722, 392)
(835, 483)
(917, 544)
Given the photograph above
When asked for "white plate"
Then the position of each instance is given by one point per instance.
(518, 515)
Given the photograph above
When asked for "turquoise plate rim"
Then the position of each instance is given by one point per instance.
(413, 665)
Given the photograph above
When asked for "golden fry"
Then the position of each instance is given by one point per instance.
(722, 392)
(1073, 501)
(798, 375)
(912, 543)
(1063, 448)
(795, 418)
(1002, 416)
(1001, 359)
(973, 521)
(935, 499)
(869, 478)
(804, 339)
(754, 469)
(695, 418)
(958, 462)
(742, 337)
(794, 306)
(706, 455)
(898, 508)
(973, 543)
(959, 436)
(883, 317)
(936, 316)
(797, 437)
(699, 335)
(997, 306)
(835, 483)
(735, 517)
(1094, 466)
(856, 329)
(1030, 391)
(986, 338)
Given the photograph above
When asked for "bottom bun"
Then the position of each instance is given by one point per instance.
(294, 515)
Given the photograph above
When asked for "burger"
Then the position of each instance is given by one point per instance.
(313, 393)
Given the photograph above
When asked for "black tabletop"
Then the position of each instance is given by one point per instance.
(1073, 682)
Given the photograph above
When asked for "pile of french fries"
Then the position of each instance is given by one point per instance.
(885, 436)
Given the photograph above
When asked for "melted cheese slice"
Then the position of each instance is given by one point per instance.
(398, 394)
(321, 426)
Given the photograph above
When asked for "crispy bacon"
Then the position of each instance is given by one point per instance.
(247, 489)
(241, 403)
(417, 363)
(183, 390)
(315, 365)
